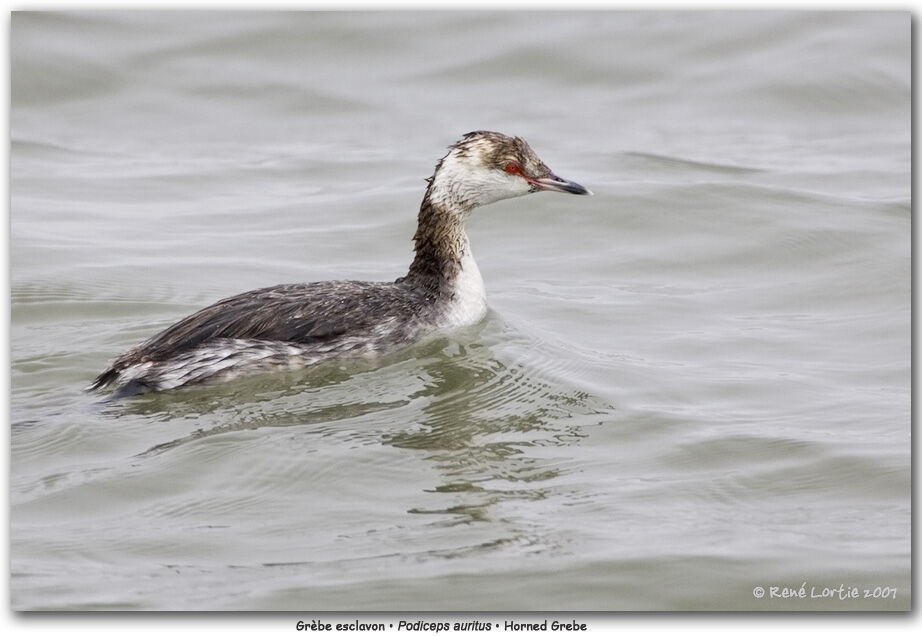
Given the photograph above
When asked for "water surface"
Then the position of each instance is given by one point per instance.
(693, 384)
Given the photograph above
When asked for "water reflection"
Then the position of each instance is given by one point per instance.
(454, 401)
(480, 418)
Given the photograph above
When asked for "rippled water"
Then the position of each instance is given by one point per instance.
(691, 385)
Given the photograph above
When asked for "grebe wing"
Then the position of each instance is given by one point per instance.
(298, 313)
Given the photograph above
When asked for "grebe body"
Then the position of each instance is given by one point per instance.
(295, 325)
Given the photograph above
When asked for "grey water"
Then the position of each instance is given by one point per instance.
(691, 387)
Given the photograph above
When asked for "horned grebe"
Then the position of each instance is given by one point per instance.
(291, 326)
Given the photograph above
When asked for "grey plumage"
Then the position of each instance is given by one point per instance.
(285, 325)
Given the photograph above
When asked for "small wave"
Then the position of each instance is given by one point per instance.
(684, 165)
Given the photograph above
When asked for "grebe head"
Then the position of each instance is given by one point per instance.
(483, 167)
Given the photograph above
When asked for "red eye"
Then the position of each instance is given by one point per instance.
(513, 168)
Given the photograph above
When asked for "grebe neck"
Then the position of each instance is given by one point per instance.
(443, 251)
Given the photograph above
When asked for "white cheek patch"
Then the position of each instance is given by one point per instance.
(468, 183)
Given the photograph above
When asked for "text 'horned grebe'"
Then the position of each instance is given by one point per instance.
(291, 326)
